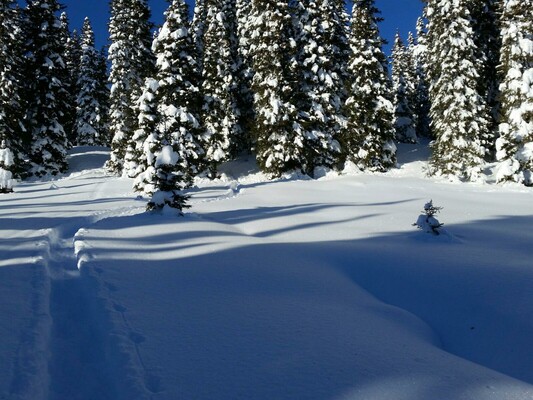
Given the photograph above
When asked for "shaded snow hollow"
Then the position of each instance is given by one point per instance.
(292, 289)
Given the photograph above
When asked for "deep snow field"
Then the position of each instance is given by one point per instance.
(276, 290)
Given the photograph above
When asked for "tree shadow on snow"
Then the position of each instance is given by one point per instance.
(407, 313)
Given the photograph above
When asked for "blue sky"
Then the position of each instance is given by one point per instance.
(399, 15)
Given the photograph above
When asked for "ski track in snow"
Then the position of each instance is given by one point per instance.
(79, 347)
(77, 340)
(66, 340)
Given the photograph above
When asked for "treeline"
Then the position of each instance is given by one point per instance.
(301, 84)
(53, 89)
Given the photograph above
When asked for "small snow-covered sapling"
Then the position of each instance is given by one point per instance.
(6, 163)
(427, 221)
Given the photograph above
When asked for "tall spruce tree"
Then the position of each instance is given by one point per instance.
(170, 128)
(515, 145)
(403, 89)
(339, 21)
(244, 75)
(459, 113)
(220, 111)
(280, 138)
(422, 102)
(132, 62)
(71, 55)
(8, 89)
(198, 30)
(411, 76)
(320, 76)
(161, 180)
(49, 94)
(487, 37)
(368, 136)
(102, 98)
(12, 106)
(89, 117)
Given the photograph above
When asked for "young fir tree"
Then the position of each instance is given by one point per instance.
(146, 137)
(88, 127)
(71, 55)
(169, 122)
(48, 94)
(515, 145)
(368, 136)
(421, 102)
(7, 162)
(320, 77)
(459, 113)
(280, 138)
(131, 63)
(12, 107)
(161, 180)
(404, 118)
(220, 111)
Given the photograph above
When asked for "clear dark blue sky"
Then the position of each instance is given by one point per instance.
(399, 15)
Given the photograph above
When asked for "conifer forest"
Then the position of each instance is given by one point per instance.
(301, 85)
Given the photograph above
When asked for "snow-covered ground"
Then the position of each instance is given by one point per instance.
(293, 289)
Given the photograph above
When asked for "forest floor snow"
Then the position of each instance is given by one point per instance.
(286, 289)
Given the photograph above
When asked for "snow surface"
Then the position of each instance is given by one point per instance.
(287, 289)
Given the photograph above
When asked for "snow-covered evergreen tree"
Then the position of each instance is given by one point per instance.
(368, 136)
(7, 163)
(280, 138)
(220, 111)
(243, 15)
(339, 20)
(488, 42)
(515, 145)
(198, 30)
(244, 74)
(170, 122)
(102, 98)
(459, 113)
(49, 96)
(320, 78)
(422, 102)
(427, 220)
(145, 139)
(403, 89)
(411, 76)
(89, 119)
(12, 106)
(132, 62)
(71, 55)
(160, 179)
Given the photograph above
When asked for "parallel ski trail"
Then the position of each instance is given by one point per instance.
(77, 344)
(67, 349)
